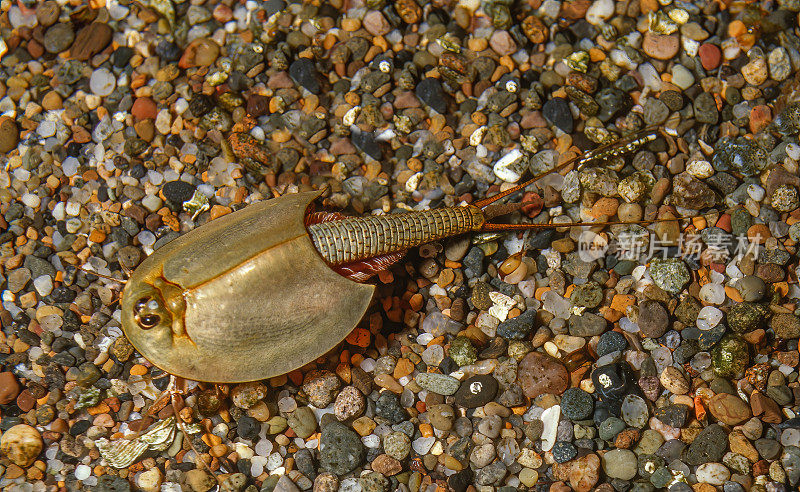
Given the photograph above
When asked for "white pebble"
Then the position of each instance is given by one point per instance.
(550, 418)
(423, 444)
(712, 473)
(152, 203)
(371, 441)
(650, 77)
(73, 209)
(708, 317)
(600, 11)
(82, 472)
(22, 174)
(180, 106)
(46, 129)
(263, 447)
(682, 77)
(147, 238)
(31, 200)
(712, 293)
(102, 82)
(70, 166)
(700, 169)
(793, 151)
(163, 121)
(755, 192)
(510, 167)
(43, 285)
(368, 364)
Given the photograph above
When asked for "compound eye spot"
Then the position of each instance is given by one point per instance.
(149, 320)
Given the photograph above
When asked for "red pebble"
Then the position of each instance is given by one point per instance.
(534, 204)
(144, 108)
(724, 223)
(760, 117)
(710, 56)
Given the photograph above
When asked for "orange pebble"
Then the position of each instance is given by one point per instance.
(426, 430)
(540, 292)
(404, 367)
(138, 370)
(733, 294)
(699, 223)
(621, 302)
(359, 337)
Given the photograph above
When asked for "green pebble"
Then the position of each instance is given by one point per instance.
(746, 316)
(670, 274)
(730, 357)
(462, 352)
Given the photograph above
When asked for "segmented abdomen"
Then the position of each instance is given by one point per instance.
(356, 238)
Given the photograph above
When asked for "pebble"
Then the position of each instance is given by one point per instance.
(576, 404)
(441, 384)
(539, 374)
(653, 319)
(620, 463)
(476, 391)
(21, 444)
(102, 82)
(341, 449)
(9, 134)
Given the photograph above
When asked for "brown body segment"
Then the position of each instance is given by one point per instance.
(357, 238)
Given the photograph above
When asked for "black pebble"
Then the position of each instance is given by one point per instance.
(388, 407)
(476, 391)
(122, 56)
(613, 382)
(564, 451)
(168, 51)
(248, 428)
(79, 427)
(557, 112)
(178, 191)
(430, 92)
(366, 143)
(304, 73)
(611, 341)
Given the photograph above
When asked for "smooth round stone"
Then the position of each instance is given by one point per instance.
(577, 404)
(476, 391)
(102, 82)
(610, 427)
(712, 293)
(712, 473)
(9, 134)
(634, 411)
(58, 37)
(708, 317)
(620, 463)
(653, 319)
(539, 374)
(751, 288)
(21, 444)
(599, 12)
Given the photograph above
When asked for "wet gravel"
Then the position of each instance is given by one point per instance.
(625, 357)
